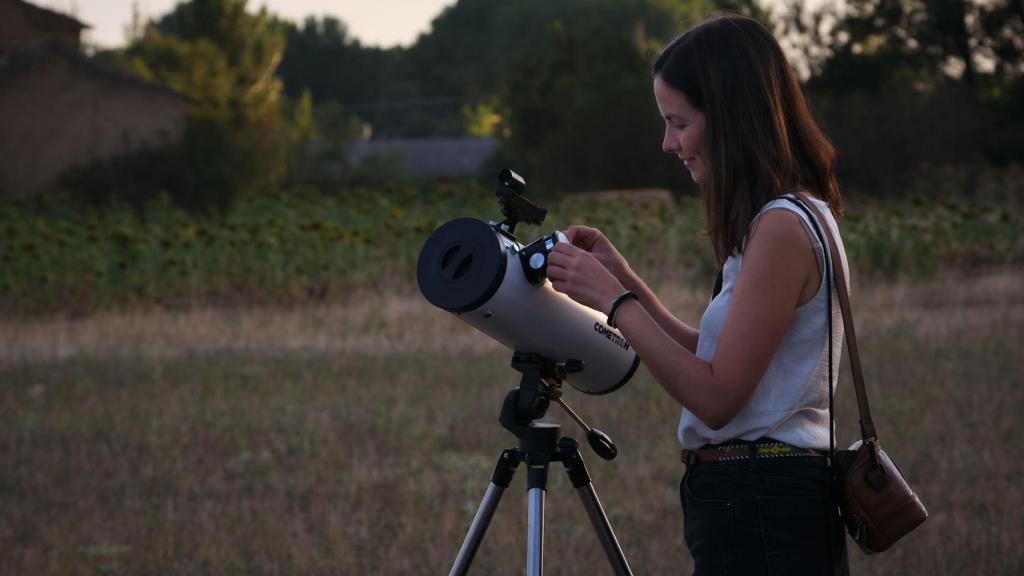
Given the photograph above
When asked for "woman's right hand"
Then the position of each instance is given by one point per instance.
(597, 244)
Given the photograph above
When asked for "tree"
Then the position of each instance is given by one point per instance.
(906, 85)
(224, 58)
(321, 57)
(579, 99)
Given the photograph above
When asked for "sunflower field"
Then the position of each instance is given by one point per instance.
(294, 247)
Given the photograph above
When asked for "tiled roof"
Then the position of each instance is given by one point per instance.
(49, 20)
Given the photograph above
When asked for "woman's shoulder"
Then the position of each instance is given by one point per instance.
(790, 202)
(786, 199)
(777, 223)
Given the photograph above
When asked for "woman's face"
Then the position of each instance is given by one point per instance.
(684, 129)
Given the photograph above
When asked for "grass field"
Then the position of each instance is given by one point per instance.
(358, 438)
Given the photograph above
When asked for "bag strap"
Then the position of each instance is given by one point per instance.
(867, 426)
(828, 322)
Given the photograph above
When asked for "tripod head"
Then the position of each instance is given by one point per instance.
(540, 385)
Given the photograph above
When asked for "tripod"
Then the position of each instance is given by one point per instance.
(539, 445)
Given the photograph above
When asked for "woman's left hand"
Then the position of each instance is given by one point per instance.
(577, 274)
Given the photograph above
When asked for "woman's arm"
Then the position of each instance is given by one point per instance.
(777, 265)
(678, 330)
(597, 244)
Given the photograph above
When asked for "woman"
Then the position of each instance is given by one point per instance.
(753, 380)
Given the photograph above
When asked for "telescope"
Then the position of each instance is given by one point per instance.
(482, 274)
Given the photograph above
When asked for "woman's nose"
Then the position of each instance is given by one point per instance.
(669, 144)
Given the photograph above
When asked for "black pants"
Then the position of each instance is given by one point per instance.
(762, 516)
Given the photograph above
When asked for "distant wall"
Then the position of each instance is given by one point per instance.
(461, 157)
(60, 112)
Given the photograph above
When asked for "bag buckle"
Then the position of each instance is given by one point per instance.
(875, 475)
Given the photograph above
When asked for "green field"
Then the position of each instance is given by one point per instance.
(358, 438)
(297, 248)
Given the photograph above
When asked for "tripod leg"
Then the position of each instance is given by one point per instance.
(536, 482)
(506, 466)
(581, 481)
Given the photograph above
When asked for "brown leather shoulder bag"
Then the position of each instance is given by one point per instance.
(875, 501)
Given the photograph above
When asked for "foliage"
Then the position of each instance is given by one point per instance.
(464, 61)
(299, 246)
(198, 174)
(321, 57)
(482, 119)
(899, 85)
(133, 179)
(581, 113)
(559, 100)
(961, 39)
(224, 58)
(903, 86)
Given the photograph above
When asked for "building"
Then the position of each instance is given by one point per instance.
(22, 23)
(59, 108)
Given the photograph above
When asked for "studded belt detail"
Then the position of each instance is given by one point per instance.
(737, 452)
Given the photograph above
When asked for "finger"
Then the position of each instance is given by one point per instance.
(582, 236)
(559, 260)
(589, 237)
(567, 257)
(556, 273)
(566, 249)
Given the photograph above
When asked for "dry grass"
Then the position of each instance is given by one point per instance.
(377, 324)
(359, 439)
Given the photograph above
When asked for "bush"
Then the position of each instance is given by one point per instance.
(295, 246)
(199, 174)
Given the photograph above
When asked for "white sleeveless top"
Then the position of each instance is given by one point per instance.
(790, 403)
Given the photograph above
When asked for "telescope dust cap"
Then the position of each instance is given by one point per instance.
(461, 265)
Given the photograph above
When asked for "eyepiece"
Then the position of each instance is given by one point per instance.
(511, 181)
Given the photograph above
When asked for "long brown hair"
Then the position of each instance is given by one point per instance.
(761, 139)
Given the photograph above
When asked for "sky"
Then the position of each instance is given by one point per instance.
(383, 23)
(374, 22)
